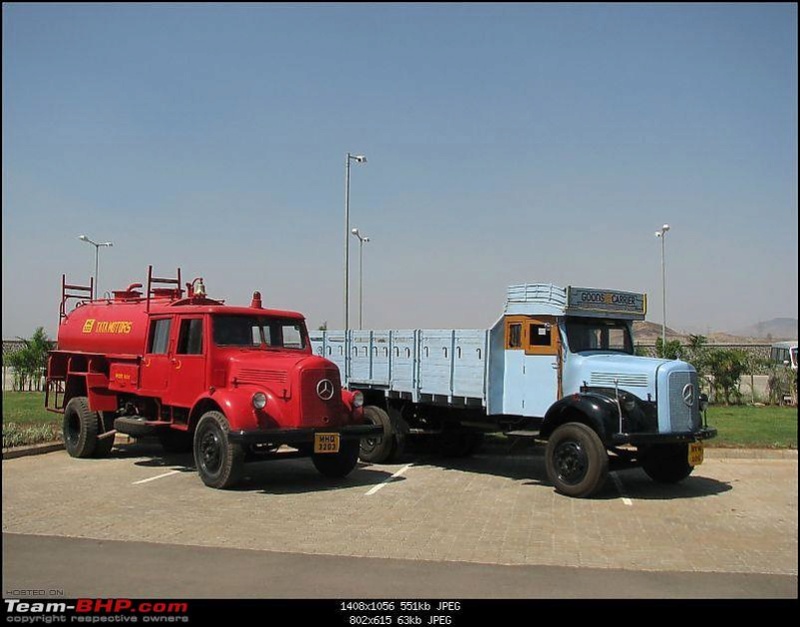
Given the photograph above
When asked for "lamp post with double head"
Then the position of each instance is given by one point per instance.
(662, 234)
(357, 159)
(361, 241)
(97, 246)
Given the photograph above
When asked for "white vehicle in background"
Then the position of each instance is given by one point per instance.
(784, 353)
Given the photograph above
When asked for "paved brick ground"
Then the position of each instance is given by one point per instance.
(733, 515)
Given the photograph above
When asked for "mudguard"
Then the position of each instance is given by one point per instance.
(237, 405)
(595, 410)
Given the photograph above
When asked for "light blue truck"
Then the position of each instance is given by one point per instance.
(558, 365)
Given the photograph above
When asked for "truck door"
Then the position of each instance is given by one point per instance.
(532, 365)
(154, 375)
(542, 368)
(187, 375)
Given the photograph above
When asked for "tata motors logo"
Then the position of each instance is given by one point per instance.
(107, 326)
(325, 389)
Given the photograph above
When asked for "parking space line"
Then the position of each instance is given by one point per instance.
(374, 489)
(166, 474)
(621, 490)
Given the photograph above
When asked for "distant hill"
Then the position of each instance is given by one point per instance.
(775, 329)
(647, 332)
(771, 331)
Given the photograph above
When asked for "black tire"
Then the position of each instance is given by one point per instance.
(80, 428)
(219, 461)
(398, 447)
(381, 449)
(576, 460)
(174, 441)
(667, 463)
(338, 465)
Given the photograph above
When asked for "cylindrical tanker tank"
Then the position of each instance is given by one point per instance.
(105, 327)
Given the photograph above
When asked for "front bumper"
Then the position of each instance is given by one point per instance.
(664, 438)
(302, 436)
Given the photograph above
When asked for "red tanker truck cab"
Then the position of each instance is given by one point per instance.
(230, 384)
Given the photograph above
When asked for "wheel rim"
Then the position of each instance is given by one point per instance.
(368, 445)
(571, 462)
(73, 430)
(210, 451)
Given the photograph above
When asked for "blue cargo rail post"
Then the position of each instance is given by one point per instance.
(558, 366)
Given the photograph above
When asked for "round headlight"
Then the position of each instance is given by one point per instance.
(259, 400)
(358, 399)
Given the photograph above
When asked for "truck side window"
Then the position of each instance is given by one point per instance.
(190, 338)
(514, 335)
(159, 336)
(292, 337)
(540, 334)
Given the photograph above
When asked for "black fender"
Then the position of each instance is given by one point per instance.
(597, 411)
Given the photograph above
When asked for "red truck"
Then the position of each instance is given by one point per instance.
(231, 384)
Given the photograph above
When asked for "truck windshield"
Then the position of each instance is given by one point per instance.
(589, 334)
(258, 332)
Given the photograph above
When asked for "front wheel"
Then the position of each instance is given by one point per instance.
(337, 465)
(576, 460)
(667, 463)
(219, 461)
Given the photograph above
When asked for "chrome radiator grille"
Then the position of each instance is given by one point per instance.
(682, 416)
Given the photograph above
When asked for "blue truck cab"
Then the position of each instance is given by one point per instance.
(558, 366)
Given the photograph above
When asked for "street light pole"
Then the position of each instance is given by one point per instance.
(97, 246)
(361, 241)
(662, 233)
(357, 159)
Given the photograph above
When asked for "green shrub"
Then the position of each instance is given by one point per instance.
(24, 435)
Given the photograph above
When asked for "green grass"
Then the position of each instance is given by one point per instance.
(27, 408)
(26, 421)
(743, 426)
(739, 426)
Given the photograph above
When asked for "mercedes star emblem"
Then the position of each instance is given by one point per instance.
(688, 394)
(325, 389)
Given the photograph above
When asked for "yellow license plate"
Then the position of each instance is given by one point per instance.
(695, 453)
(326, 442)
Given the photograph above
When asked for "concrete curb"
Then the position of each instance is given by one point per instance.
(747, 453)
(34, 449)
(47, 447)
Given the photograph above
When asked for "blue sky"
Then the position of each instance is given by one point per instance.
(505, 143)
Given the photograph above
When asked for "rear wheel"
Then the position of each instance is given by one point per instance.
(382, 448)
(667, 463)
(576, 460)
(337, 465)
(219, 461)
(81, 426)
